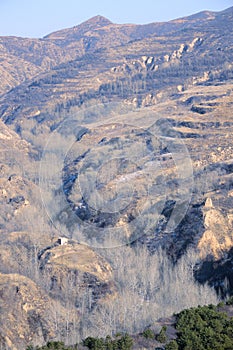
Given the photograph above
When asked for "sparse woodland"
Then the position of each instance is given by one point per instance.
(203, 327)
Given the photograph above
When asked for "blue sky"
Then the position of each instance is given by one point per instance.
(36, 18)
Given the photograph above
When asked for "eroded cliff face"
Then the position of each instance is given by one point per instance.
(217, 237)
(103, 117)
(28, 314)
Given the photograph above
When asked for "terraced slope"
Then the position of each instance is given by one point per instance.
(114, 136)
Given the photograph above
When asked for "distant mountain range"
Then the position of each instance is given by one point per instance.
(23, 59)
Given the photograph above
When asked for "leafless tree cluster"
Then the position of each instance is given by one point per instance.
(148, 287)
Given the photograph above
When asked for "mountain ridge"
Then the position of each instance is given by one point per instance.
(24, 59)
(95, 20)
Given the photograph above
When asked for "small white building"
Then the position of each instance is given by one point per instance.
(62, 240)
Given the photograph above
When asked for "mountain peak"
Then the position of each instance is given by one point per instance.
(100, 20)
(91, 24)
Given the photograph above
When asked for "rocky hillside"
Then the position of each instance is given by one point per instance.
(23, 59)
(118, 140)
